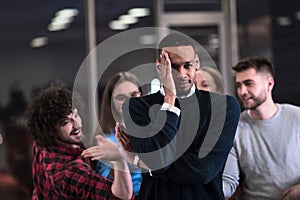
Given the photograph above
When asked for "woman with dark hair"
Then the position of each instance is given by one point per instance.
(120, 87)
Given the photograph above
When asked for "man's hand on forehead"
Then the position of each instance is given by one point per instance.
(165, 73)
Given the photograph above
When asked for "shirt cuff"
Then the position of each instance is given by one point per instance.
(171, 108)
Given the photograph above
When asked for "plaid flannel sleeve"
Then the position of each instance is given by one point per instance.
(79, 179)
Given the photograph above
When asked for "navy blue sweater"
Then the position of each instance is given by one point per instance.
(187, 154)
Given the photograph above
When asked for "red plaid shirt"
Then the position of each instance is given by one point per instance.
(60, 172)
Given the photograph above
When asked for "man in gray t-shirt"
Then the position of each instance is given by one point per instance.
(265, 157)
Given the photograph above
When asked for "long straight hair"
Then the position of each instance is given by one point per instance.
(107, 121)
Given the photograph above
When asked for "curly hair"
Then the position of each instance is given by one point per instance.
(48, 110)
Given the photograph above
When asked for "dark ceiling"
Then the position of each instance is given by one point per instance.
(21, 21)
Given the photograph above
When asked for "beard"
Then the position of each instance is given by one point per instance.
(70, 143)
(183, 89)
(70, 140)
(257, 101)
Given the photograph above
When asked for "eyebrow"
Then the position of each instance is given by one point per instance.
(244, 81)
(186, 62)
(122, 95)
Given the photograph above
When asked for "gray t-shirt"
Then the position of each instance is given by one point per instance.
(265, 155)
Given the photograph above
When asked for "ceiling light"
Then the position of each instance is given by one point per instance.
(213, 41)
(297, 14)
(57, 27)
(283, 21)
(59, 23)
(67, 12)
(139, 12)
(61, 20)
(117, 25)
(128, 19)
(39, 42)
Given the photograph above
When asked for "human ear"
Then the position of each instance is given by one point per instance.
(270, 82)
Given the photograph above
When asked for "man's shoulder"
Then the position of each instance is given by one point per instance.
(289, 107)
(57, 154)
(290, 110)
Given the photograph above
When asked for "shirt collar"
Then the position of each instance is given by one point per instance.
(60, 149)
(192, 91)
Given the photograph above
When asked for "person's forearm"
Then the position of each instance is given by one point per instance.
(141, 164)
(170, 99)
(231, 174)
(122, 185)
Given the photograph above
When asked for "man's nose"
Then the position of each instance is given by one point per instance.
(180, 72)
(76, 122)
(243, 90)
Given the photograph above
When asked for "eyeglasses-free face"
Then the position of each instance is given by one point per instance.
(184, 63)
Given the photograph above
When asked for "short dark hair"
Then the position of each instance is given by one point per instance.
(48, 110)
(175, 40)
(259, 63)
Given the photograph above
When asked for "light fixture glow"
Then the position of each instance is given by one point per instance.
(67, 12)
(139, 12)
(57, 27)
(297, 14)
(128, 19)
(213, 41)
(39, 42)
(62, 20)
(284, 21)
(117, 25)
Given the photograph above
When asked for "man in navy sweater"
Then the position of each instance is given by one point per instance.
(183, 135)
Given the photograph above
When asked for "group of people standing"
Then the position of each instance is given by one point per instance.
(186, 141)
